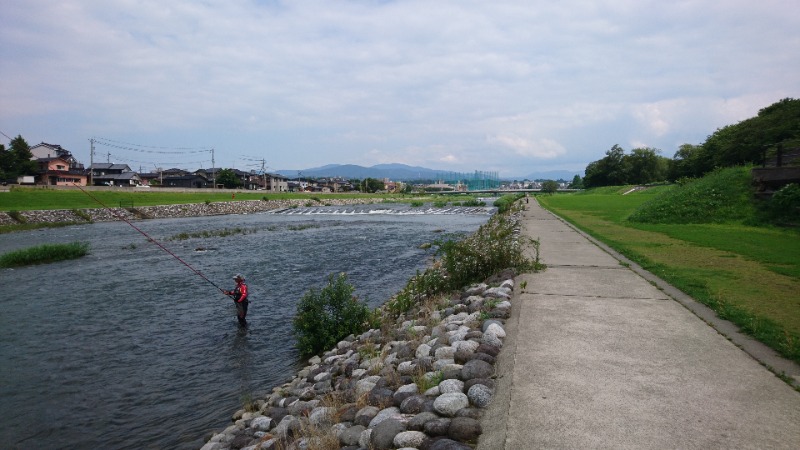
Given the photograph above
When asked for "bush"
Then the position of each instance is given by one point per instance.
(326, 316)
(505, 202)
(785, 203)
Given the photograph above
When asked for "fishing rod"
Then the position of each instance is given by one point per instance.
(150, 238)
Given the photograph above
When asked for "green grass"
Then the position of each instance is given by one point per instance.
(722, 196)
(44, 254)
(748, 274)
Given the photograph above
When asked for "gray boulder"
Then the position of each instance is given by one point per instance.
(383, 434)
(480, 395)
(476, 368)
(449, 404)
(464, 429)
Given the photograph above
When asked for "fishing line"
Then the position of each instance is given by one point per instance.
(149, 238)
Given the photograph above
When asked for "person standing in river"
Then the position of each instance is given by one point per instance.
(239, 295)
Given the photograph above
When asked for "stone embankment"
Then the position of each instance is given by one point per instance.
(422, 381)
(170, 211)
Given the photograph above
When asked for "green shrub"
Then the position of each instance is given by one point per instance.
(473, 202)
(440, 203)
(326, 316)
(416, 203)
(44, 254)
(785, 203)
(505, 202)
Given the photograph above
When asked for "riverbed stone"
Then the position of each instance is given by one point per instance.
(391, 412)
(464, 429)
(449, 404)
(262, 423)
(451, 385)
(476, 368)
(437, 427)
(417, 423)
(351, 435)
(365, 415)
(383, 433)
(411, 439)
(480, 395)
(413, 405)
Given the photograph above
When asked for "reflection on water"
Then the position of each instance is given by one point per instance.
(127, 348)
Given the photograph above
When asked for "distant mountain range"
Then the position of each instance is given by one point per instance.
(402, 172)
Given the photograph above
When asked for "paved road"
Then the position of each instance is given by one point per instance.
(598, 357)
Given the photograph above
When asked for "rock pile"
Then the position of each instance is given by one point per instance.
(171, 211)
(418, 383)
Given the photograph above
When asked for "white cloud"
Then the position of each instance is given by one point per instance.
(533, 148)
(417, 82)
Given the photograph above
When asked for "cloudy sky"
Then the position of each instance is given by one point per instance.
(510, 86)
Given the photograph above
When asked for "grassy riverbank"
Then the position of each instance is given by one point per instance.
(748, 274)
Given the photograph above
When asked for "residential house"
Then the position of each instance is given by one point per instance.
(55, 171)
(108, 174)
(190, 181)
(45, 150)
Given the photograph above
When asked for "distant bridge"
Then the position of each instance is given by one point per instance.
(498, 192)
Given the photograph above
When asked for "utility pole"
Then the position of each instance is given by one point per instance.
(264, 172)
(91, 162)
(213, 172)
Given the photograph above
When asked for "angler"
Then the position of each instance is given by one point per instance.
(239, 295)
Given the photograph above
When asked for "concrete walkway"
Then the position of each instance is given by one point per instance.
(598, 357)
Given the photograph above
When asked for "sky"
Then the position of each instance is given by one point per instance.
(515, 87)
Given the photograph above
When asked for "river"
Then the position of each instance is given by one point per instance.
(127, 348)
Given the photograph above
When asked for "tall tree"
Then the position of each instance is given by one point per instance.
(549, 186)
(228, 178)
(685, 163)
(17, 160)
(644, 165)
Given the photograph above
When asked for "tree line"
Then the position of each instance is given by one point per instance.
(16, 160)
(751, 141)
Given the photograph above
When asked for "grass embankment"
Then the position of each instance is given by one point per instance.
(697, 238)
(43, 254)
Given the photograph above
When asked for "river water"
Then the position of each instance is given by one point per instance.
(127, 348)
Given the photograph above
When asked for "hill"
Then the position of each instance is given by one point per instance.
(403, 172)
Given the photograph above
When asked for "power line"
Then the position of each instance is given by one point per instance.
(114, 144)
(162, 163)
(198, 149)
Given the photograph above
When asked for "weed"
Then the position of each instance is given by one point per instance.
(82, 215)
(225, 232)
(248, 403)
(17, 216)
(44, 254)
(427, 380)
(301, 227)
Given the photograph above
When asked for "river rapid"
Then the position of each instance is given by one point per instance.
(127, 348)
